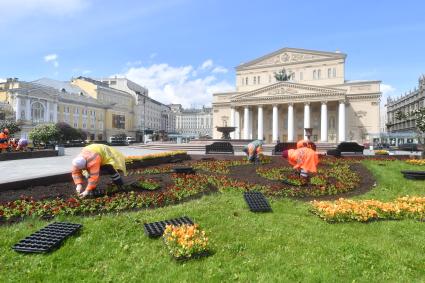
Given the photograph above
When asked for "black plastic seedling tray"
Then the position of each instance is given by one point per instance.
(414, 175)
(156, 229)
(184, 170)
(257, 202)
(47, 238)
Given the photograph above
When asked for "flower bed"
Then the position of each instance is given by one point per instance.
(344, 210)
(185, 241)
(131, 158)
(138, 161)
(184, 186)
(420, 162)
(223, 166)
(328, 181)
(381, 152)
(148, 184)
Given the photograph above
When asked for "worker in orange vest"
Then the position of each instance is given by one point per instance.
(303, 159)
(91, 159)
(4, 140)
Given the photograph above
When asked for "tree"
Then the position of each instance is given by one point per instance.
(44, 133)
(67, 133)
(400, 115)
(419, 116)
(11, 125)
(282, 75)
(82, 135)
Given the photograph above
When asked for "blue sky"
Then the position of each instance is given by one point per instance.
(184, 50)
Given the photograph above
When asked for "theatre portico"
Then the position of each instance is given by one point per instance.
(316, 96)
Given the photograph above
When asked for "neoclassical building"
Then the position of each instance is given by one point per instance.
(316, 96)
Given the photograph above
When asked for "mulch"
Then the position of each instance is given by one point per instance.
(246, 173)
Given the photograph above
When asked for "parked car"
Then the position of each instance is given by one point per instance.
(130, 140)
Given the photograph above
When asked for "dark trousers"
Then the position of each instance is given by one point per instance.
(114, 175)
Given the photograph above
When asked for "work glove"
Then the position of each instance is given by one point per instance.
(84, 194)
(79, 189)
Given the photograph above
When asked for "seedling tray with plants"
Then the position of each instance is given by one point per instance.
(156, 229)
(183, 170)
(257, 202)
(47, 238)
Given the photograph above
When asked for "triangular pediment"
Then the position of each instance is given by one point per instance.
(287, 56)
(282, 89)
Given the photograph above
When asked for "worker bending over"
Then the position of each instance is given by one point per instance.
(253, 150)
(303, 159)
(22, 145)
(92, 158)
(4, 140)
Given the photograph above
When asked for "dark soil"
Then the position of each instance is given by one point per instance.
(246, 173)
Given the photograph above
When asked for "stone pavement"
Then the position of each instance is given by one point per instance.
(16, 170)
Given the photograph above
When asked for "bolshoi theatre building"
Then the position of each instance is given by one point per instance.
(316, 95)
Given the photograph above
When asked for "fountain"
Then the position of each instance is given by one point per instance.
(225, 132)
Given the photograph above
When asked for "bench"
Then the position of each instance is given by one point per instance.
(282, 146)
(219, 148)
(346, 147)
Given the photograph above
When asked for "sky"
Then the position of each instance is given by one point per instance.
(185, 50)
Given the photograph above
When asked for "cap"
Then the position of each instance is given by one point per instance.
(79, 162)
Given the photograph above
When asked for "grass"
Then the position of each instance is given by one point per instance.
(287, 245)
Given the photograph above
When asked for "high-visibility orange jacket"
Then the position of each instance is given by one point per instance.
(304, 158)
(93, 168)
(4, 141)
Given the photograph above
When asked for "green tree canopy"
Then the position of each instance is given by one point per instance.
(45, 133)
(11, 125)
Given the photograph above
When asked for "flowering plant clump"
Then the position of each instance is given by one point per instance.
(149, 184)
(132, 158)
(420, 162)
(185, 241)
(344, 210)
(223, 166)
(382, 152)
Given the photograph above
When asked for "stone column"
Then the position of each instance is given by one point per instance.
(290, 122)
(324, 122)
(55, 112)
(250, 127)
(275, 133)
(232, 121)
(46, 112)
(306, 117)
(341, 121)
(237, 125)
(246, 123)
(18, 108)
(28, 109)
(260, 133)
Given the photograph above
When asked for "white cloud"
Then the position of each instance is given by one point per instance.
(18, 9)
(153, 55)
(86, 72)
(219, 70)
(181, 84)
(387, 91)
(207, 64)
(52, 58)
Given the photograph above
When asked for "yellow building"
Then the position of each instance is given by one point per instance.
(36, 103)
(119, 118)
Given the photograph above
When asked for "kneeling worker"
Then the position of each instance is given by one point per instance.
(92, 158)
(304, 158)
(253, 150)
(22, 145)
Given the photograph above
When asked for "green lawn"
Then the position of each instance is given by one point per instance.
(288, 245)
